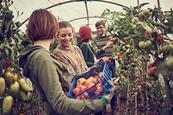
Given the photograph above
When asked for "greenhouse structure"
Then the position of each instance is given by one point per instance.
(86, 57)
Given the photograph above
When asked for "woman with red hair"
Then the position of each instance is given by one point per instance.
(88, 54)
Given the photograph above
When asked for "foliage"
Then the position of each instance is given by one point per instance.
(13, 87)
(141, 36)
(10, 36)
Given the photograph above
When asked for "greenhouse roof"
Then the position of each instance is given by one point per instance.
(82, 12)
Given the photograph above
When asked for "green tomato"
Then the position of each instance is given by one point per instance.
(148, 43)
(127, 51)
(169, 62)
(141, 44)
(145, 11)
(135, 20)
(164, 48)
(167, 48)
(127, 46)
(170, 47)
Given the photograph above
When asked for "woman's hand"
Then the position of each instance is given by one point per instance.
(114, 82)
(115, 86)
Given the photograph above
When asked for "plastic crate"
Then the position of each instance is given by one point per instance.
(103, 79)
(110, 61)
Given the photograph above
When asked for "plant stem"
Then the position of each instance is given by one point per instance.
(154, 34)
(6, 4)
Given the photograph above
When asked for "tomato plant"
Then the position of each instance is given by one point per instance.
(14, 88)
(145, 37)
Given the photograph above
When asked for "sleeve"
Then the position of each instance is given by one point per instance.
(99, 52)
(63, 59)
(96, 50)
(59, 54)
(87, 54)
(82, 57)
(48, 78)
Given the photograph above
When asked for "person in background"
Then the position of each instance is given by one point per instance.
(103, 38)
(69, 53)
(45, 70)
(103, 42)
(85, 35)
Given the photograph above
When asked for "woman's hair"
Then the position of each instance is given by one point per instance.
(98, 23)
(42, 25)
(85, 33)
(64, 24)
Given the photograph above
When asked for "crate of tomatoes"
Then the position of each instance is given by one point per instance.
(91, 84)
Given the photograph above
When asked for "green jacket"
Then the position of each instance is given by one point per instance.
(88, 54)
(47, 77)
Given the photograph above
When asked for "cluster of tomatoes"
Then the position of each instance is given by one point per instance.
(88, 88)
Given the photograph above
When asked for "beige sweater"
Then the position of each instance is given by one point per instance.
(73, 56)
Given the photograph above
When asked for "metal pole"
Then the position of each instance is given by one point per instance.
(89, 17)
(138, 5)
(160, 14)
(86, 0)
(86, 6)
